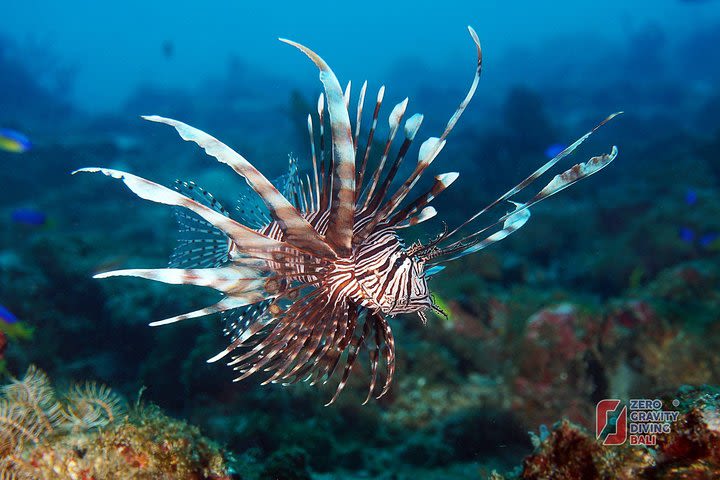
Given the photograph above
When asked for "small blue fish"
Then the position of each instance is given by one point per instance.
(554, 150)
(691, 197)
(707, 239)
(28, 216)
(687, 234)
(13, 141)
(7, 316)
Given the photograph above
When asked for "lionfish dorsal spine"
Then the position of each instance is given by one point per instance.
(368, 145)
(358, 118)
(396, 116)
(342, 207)
(442, 182)
(412, 125)
(314, 162)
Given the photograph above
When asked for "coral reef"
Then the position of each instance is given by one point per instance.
(86, 433)
(690, 450)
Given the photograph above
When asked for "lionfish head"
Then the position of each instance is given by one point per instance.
(391, 277)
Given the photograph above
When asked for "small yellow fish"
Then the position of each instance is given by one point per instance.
(13, 141)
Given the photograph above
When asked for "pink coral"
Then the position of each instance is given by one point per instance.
(552, 378)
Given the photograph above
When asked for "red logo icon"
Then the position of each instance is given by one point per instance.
(603, 413)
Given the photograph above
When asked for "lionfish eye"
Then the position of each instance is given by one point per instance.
(399, 261)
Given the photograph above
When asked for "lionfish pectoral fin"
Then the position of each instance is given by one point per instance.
(230, 280)
(374, 358)
(387, 352)
(298, 232)
(245, 238)
(200, 244)
(342, 206)
(226, 303)
(353, 351)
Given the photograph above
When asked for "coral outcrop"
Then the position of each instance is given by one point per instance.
(86, 433)
(690, 451)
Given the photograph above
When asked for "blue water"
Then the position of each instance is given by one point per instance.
(114, 49)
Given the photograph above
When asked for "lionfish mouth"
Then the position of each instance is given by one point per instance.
(287, 265)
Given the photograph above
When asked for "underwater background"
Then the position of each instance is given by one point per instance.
(612, 289)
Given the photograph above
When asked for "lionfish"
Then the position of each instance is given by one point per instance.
(310, 279)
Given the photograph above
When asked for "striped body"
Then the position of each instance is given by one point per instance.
(380, 275)
(313, 272)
